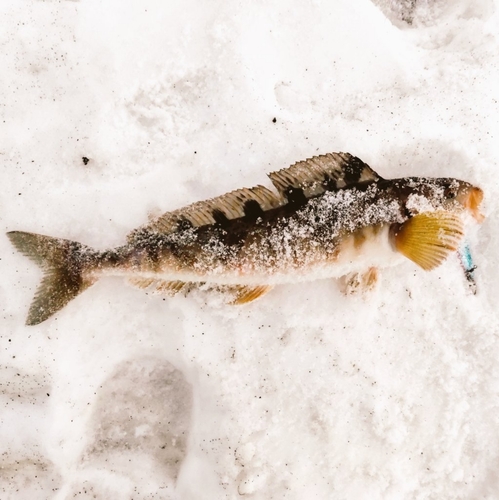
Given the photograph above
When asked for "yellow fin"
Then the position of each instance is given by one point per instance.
(427, 239)
(238, 294)
(241, 294)
(170, 288)
(173, 287)
(141, 282)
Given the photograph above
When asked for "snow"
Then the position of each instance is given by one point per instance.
(306, 393)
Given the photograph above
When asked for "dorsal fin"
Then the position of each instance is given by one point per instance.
(304, 179)
(231, 205)
(327, 172)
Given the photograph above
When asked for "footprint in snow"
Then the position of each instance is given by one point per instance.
(138, 432)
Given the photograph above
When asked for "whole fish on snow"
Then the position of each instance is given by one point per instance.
(330, 216)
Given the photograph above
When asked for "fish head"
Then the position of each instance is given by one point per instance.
(436, 213)
(457, 195)
(451, 195)
(471, 198)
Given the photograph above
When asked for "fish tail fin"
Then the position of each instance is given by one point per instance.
(64, 263)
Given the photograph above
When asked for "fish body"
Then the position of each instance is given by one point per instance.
(330, 216)
(282, 245)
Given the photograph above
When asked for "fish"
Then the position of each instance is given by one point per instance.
(328, 216)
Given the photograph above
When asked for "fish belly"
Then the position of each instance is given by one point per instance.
(368, 248)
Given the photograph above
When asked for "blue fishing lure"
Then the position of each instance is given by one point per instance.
(468, 266)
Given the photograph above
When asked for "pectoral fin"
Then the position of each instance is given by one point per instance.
(427, 239)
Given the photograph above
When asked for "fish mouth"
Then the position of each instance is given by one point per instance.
(472, 203)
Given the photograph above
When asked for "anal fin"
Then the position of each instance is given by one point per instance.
(242, 294)
(236, 294)
(158, 286)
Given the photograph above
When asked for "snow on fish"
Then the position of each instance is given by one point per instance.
(329, 216)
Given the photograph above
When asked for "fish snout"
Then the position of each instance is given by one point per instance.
(472, 203)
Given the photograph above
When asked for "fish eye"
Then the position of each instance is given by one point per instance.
(450, 193)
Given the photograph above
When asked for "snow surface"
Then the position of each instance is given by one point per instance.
(307, 393)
